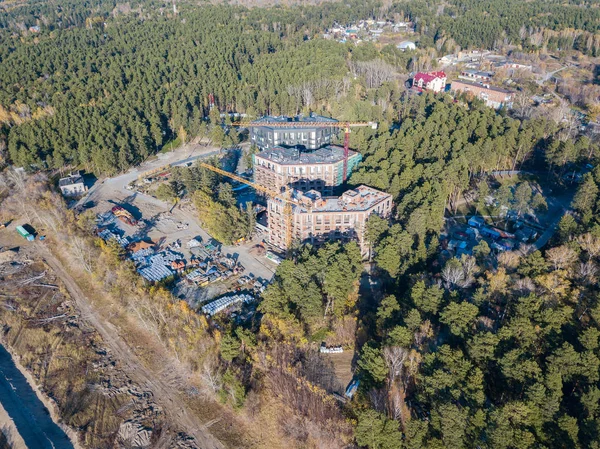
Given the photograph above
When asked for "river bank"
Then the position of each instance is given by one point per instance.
(32, 414)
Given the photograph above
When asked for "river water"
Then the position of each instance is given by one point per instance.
(31, 417)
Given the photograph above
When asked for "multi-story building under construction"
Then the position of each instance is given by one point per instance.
(317, 219)
(309, 137)
(320, 170)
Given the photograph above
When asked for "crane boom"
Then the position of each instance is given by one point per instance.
(255, 124)
(287, 209)
(344, 125)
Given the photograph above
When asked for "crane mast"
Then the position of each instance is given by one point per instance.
(284, 198)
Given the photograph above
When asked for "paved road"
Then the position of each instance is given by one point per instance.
(179, 156)
(548, 233)
(549, 75)
(164, 394)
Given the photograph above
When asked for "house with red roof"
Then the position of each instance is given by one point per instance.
(433, 81)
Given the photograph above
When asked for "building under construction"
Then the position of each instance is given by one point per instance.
(265, 135)
(317, 219)
(320, 170)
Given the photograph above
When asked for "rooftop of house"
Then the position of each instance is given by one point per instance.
(480, 86)
(297, 119)
(137, 246)
(329, 154)
(471, 72)
(73, 178)
(361, 198)
(429, 76)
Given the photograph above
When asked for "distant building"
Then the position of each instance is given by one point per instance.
(72, 185)
(317, 219)
(309, 137)
(321, 169)
(476, 75)
(515, 66)
(406, 46)
(448, 60)
(34, 29)
(494, 97)
(432, 81)
(403, 27)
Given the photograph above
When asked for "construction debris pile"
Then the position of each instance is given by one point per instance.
(212, 266)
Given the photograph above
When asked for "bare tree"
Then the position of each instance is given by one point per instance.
(377, 397)
(522, 106)
(453, 275)
(524, 286)
(307, 94)
(394, 358)
(459, 272)
(590, 244)
(587, 272)
(82, 253)
(509, 259)
(211, 374)
(561, 257)
(375, 72)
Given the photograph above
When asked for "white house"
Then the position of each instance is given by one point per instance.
(72, 185)
(433, 81)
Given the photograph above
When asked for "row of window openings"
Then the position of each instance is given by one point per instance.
(294, 170)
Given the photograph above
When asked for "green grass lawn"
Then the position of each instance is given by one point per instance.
(170, 145)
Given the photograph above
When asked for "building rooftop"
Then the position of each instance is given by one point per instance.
(429, 76)
(473, 72)
(482, 86)
(361, 198)
(329, 154)
(73, 178)
(297, 119)
(406, 45)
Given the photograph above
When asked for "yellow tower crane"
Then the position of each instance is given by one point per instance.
(341, 125)
(285, 198)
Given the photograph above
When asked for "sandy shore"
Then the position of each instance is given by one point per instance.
(48, 403)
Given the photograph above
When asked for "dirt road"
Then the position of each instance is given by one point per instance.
(104, 194)
(165, 395)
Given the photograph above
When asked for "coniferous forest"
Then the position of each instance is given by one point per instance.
(493, 349)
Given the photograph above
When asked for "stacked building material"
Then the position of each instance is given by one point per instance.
(224, 302)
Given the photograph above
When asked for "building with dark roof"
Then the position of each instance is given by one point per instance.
(309, 137)
(321, 169)
(476, 75)
(72, 185)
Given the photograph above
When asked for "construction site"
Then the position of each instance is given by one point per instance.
(300, 179)
(292, 167)
(299, 191)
